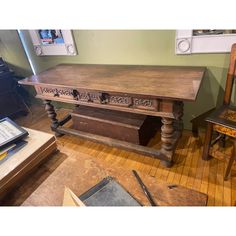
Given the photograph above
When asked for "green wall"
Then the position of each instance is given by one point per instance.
(12, 52)
(147, 47)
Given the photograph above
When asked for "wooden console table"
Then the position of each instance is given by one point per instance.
(150, 90)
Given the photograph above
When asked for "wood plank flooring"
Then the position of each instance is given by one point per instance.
(189, 169)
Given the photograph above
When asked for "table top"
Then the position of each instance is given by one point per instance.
(173, 82)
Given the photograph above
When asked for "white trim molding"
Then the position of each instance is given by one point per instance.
(187, 43)
(67, 48)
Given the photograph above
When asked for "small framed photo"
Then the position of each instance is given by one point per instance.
(10, 132)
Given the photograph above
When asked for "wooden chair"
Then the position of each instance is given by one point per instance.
(223, 120)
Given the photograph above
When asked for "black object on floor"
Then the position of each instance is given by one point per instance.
(108, 192)
(144, 188)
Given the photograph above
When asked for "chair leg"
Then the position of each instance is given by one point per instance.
(219, 137)
(222, 141)
(195, 131)
(207, 142)
(231, 161)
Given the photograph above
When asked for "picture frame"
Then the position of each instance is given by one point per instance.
(10, 132)
(53, 42)
(188, 43)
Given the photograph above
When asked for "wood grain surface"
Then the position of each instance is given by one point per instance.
(81, 172)
(173, 82)
(129, 127)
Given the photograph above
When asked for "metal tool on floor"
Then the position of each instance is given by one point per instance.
(144, 188)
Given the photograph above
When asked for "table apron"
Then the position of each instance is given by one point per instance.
(134, 104)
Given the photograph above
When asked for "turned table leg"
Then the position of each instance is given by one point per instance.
(168, 140)
(171, 131)
(49, 108)
(178, 113)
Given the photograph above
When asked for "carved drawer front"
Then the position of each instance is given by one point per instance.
(84, 96)
(102, 98)
(145, 104)
(120, 101)
(95, 97)
(64, 93)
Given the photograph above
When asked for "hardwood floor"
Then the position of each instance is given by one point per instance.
(189, 169)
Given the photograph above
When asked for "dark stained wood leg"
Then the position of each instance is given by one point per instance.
(178, 113)
(216, 139)
(64, 120)
(195, 131)
(207, 142)
(168, 140)
(199, 121)
(171, 131)
(49, 108)
(222, 141)
(231, 161)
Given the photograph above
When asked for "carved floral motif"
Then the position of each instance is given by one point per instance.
(84, 96)
(143, 102)
(94, 97)
(118, 100)
(57, 91)
(102, 98)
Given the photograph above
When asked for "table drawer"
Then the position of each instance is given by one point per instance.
(128, 103)
(57, 92)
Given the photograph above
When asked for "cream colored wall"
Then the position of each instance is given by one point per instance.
(147, 47)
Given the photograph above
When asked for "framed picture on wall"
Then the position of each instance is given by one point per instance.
(204, 41)
(51, 42)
